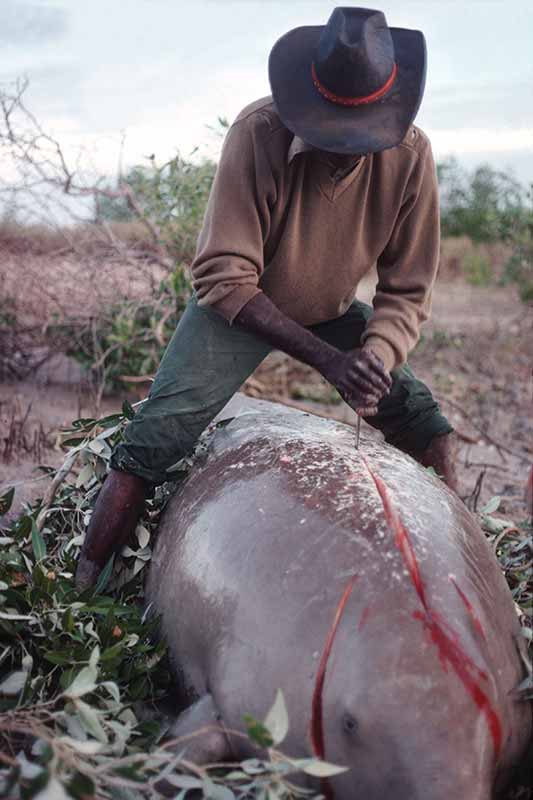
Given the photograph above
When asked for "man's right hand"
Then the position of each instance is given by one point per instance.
(358, 375)
(360, 378)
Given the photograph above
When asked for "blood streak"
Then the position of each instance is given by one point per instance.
(470, 675)
(441, 634)
(317, 721)
(403, 542)
(469, 607)
(364, 618)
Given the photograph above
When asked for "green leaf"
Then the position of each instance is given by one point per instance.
(54, 790)
(94, 658)
(81, 786)
(494, 524)
(113, 690)
(86, 475)
(492, 506)
(128, 410)
(36, 786)
(215, 791)
(73, 442)
(97, 446)
(23, 526)
(6, 501)
(277, 719)
(143, 536)
(83, 422)
(257, 731)
(37, 542)
(253, 766)
(88, 747)
(184, 781)
(320, 769)
(89, 719)
(14, 683)
(55, 657)
(83, 683)
(104, 576)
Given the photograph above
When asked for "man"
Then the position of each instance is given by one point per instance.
(314, 187)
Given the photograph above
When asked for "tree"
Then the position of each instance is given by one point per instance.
(175, 194)
(485, 204)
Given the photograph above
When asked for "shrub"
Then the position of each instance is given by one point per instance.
(129, 337)
(519, 267)
(485, 204)
(77, 669)
(477, 269)
(174, 195)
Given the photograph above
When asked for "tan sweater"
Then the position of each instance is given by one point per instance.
(282, 222)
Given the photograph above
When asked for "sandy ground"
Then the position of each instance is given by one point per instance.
(476, 354)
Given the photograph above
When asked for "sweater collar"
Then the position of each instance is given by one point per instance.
(298, 146)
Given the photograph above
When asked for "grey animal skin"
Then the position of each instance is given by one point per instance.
(280, 523)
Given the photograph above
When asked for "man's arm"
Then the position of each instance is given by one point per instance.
(358, 375)
(407, 267)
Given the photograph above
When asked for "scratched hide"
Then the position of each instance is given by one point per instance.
(357, 583)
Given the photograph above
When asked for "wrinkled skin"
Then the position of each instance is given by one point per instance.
(360, 379)
(358, 375)
(254, 554)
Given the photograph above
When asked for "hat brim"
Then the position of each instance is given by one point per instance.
(344, 129)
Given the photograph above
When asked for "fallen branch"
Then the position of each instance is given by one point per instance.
(59, 477)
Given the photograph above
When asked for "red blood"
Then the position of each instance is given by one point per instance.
(469, 607)
(317, 723)
(442, 634)
(403, 541)
(450, 651)
(364, 618)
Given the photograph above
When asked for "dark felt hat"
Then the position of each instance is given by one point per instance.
(351, 86)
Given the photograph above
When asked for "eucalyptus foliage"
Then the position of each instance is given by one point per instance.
(174, 194)
(81, 674)
(130, 336)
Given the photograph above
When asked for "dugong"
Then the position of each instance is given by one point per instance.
(358, 584)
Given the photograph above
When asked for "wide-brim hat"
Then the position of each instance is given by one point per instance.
(351, 86)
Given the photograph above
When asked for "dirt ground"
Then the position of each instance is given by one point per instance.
(476, 354)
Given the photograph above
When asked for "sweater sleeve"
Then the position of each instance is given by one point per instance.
(407, 267)
(229, 255)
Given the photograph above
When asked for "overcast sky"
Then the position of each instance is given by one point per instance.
(162, 70)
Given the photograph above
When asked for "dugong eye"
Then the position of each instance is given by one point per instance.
(349, 724)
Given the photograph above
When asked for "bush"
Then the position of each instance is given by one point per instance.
(174, 195)
(484, 205)
(519, 268)
(477, 269)
(129, 337)
(79, 672)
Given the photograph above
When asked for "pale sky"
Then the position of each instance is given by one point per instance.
(162, 70)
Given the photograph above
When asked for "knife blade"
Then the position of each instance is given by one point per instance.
(358, 432)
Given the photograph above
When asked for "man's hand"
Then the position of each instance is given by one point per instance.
(360, 378)
(358, 375)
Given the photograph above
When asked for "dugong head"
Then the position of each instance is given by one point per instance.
(405, 730)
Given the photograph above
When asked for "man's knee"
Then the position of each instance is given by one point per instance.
(410, 417)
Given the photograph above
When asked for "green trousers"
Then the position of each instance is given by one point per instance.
(207, 361)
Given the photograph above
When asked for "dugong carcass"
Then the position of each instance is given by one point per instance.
(361, 586)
